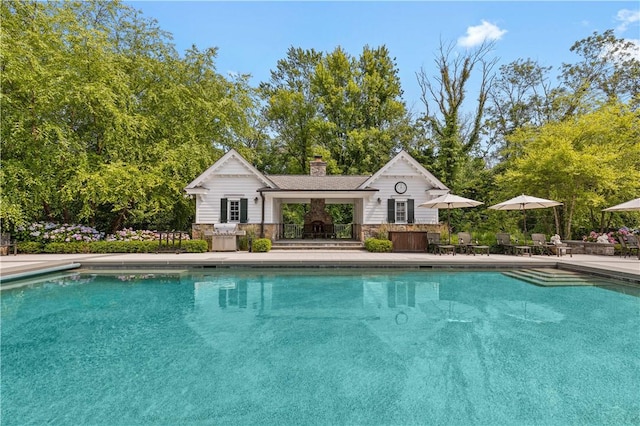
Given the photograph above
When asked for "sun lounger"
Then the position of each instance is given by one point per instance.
(434, 245)
(466, 244)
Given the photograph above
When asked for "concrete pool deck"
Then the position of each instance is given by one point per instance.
(26, 265)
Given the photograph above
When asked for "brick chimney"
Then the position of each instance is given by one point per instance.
(317, 167)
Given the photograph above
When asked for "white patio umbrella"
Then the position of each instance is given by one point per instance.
(629, 206)
(524, 203)
(449, 201)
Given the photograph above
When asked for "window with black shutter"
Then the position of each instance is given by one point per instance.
(223, 210)
(410, 211)
(244, 207)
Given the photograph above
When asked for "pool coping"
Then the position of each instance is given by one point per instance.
(13, 268)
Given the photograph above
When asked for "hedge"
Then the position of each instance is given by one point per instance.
(30, 247)
(376, 245)
(261, 245)
(190, 246)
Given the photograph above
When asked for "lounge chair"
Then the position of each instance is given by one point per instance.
(629, 244)
(540, 244)
(504, 241)
(465, 244)
(434, 245)
(6, 243)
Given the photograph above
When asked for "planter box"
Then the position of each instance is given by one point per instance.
(584, 247)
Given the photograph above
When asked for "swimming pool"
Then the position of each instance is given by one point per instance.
(324, 346)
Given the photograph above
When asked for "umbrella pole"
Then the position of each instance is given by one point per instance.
(449, 223)
(524, 213)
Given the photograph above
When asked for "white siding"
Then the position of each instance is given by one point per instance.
(233, 179)
(232, 187)
(376, 213)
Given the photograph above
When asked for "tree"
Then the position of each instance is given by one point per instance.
(103, 121)
(365, 119)
(583, 162)
(455, 134)
(292, 110)
(521, 95)
(608, 72)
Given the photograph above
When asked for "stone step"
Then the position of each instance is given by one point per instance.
(551, 275)
(547, 277)
(317, 245)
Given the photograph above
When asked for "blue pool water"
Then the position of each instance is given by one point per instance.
(356, 347)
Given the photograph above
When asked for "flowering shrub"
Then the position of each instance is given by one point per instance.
(624, 231)
(609, 237)
(129, 234)
(49, 232)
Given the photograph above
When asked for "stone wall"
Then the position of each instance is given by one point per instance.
(584, 247)
(251, 229)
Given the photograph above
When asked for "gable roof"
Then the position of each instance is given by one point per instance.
(196, 185)
(404, 156)
(317, 183)
(308, 182)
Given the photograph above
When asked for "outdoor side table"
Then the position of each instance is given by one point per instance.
(522, 250)
(480, 249)
(446, 248)
(562, 250)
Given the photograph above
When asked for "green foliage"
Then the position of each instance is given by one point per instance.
(261, 245)
(455, 137)
(376, 245)
(190, 246)
(67, 248)
(30, 247)
(103, 122)
(584, 163)
(195, 246)
(347, 109)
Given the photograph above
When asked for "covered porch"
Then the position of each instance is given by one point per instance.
(314, 220)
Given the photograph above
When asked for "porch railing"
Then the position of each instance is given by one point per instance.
(291, 231)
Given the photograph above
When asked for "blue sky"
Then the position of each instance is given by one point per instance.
(253, 36)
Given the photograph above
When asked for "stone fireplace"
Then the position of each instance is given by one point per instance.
(317, 213)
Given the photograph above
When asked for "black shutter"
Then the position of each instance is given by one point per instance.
(223, 210)
(243, 210)
(391, 210)
(410, 212)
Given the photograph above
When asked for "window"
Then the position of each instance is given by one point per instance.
(234, 210)
(401, 211)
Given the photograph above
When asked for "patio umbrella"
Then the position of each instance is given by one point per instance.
(524, 203)
(629, 206)
(449, 201)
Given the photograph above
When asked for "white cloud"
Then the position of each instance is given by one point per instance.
(480, 33)
(626, 18)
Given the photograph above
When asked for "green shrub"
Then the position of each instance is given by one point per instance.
(190, 246)
(261, 245)
(376, 245)
(195, 246)
(124, 247)
(243, 243)
(67, 248)
(29, 247)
